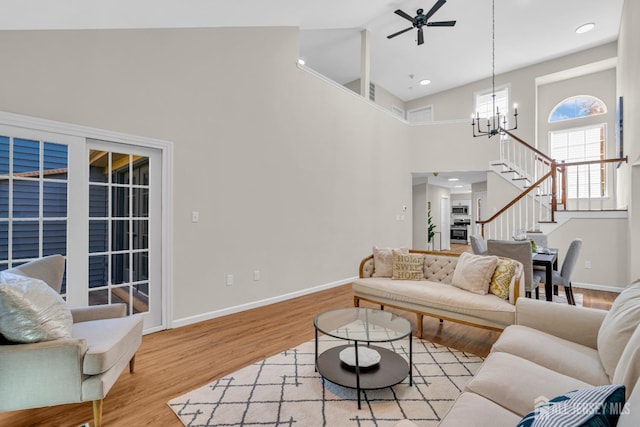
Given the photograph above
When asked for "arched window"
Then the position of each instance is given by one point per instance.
(577, 107)
(580, 142)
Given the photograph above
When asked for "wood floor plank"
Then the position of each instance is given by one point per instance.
(170, 363)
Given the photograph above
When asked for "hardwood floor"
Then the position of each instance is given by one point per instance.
(172, 362)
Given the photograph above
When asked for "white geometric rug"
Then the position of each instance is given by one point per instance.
(285, 390)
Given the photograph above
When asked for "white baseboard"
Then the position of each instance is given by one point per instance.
(255, 304)
(605, 288)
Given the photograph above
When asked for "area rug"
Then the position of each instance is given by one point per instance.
(285, 390)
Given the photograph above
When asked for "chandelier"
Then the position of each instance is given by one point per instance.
(497, 123)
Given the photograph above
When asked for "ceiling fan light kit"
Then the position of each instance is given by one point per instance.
(420, 20)
(495, 125)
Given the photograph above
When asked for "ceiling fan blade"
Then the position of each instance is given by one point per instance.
(400, 32)
(441, 24)
(404, 15)
(435, 8)
(420, 36)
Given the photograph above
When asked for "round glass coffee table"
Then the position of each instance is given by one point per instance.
(358, 364)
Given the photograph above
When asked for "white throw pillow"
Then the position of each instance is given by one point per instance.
(474, 272)
(31, 311)
(618, 326)
(383, 261)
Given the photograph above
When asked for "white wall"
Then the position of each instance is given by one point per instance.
(384, 98)
(420, 216)
(291, 175)
(458, 103)
(629, 87)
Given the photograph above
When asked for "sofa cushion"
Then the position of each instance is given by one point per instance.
(557, 354)
(618, 326)
(438, 298)
(593, 406)
(517, 384)
(383, 261)
(473, 410)
(628, 369)
(407, 266)
(502, 276)
(31, 311)
(473, 272)
(107, 341)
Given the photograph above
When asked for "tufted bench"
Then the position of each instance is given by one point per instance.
(435, 296)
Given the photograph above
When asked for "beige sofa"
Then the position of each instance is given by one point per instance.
(551, 350)
(436, 296)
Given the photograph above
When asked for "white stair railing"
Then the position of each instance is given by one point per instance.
(545, 186)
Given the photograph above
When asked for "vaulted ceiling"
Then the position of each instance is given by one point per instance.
(526, 31)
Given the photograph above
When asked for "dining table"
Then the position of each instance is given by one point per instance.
(547, 258)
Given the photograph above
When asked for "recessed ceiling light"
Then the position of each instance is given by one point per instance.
(458, 186)
(301, 61)
(584, 28)
(454, 179)
(425, 82)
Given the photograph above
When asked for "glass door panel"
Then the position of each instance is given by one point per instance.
(119, 230)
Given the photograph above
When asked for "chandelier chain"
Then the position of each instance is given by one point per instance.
(496, 122)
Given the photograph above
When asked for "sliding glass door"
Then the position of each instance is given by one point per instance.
(97, 203)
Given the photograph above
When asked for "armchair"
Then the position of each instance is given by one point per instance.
(69, 370)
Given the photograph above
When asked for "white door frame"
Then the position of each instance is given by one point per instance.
(165, 147)
(445, 222)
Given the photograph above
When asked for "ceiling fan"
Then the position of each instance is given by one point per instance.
(421, 20)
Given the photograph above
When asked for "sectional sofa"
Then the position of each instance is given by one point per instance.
(558, 364)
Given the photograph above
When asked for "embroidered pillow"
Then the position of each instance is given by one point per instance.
(407, 266)
(502, 276)
(383, 261)
(590, 407)
(473, 272)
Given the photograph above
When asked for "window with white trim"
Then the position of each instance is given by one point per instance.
(577, 145)
(420, 115)
(484, 106)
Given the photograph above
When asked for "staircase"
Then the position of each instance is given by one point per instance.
(544, 188)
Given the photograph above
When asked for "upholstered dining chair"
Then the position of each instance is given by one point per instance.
(520, 250)
(540, 239)
(563, 277)
(478, 245)
(81, 366)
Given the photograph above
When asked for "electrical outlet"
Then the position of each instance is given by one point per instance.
(229, 279)
(256, 275)
(587, 264)
(195, 216)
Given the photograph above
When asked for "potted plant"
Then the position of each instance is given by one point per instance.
(430, 230)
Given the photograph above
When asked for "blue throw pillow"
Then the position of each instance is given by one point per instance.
(590, 407)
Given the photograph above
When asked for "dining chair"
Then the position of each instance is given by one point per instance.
(563, 277)
(520, 250)
(478, 245)
(540, 239)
